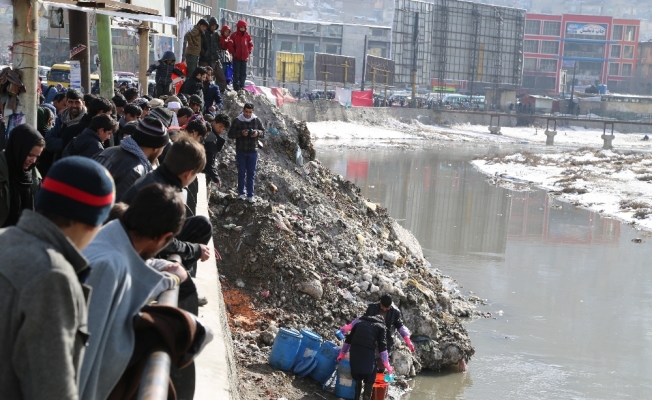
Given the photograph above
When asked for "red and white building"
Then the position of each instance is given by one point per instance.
(601, 50)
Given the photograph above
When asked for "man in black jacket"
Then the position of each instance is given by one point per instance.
(91, 140)
(134, 157)
(246, 129)
(185, 159)
(195, 83)
(367, 335)
(98, 106)
(213, 145)
(211, 52)
(392, 318)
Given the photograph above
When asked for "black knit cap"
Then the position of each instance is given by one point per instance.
(162, 114)
(119, 100)
(79, 189)
(151, 133)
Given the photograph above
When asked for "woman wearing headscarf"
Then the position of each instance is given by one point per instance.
(19, 179)
(44, 119)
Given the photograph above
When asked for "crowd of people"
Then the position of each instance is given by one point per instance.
(94, 202)
(95, 199)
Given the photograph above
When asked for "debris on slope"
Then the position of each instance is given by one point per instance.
(312, 253)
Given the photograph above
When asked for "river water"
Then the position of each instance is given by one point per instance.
(574, 290)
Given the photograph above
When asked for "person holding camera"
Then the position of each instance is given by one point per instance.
(246, 129)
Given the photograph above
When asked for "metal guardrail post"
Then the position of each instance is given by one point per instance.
(156, 375)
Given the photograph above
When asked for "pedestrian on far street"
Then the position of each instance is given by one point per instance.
(246, 129)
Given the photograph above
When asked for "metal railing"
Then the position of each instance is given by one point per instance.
(156, 375)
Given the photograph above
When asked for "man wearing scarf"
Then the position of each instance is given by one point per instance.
(246, 129)
(19, 179)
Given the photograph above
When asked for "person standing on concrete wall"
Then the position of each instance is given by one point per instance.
(192, 44)
(241, 47)
(211, 52)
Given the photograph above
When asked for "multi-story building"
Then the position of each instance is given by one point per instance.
(643, 80)
(595, 49)
(333, 38)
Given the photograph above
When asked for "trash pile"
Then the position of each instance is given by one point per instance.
(312, 252)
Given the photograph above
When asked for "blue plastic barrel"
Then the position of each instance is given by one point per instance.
(284, 350)
(602, 89)
(344, 385)
(326, 361)
(310, 344)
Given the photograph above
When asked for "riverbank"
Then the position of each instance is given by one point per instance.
(311, 253)
(612, 183)
(390, 132)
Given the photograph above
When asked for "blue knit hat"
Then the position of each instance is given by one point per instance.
(79, 189)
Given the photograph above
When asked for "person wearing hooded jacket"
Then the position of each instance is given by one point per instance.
(210, 54)
(225, 53)
(19, 178)
(91, 140)
(367, 335)
(241, 47)
(192, 44)
(164, 71)
(246, 129)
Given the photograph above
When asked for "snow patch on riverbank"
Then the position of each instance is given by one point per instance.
(616, 184)
(391, 130)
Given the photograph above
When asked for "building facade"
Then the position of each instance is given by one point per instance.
(595, 49)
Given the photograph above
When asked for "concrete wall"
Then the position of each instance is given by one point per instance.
(332, 111)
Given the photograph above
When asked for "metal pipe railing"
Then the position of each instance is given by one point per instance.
(156, 375)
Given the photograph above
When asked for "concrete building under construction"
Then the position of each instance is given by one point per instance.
(439, 41)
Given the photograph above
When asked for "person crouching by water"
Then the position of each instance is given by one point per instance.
(368, 334)
(19, 179)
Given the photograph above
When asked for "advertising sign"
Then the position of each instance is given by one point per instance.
(289, 67)
(586, 29)
(75, 75)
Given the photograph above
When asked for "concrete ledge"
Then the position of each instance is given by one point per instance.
(217, 375)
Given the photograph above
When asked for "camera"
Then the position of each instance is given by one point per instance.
(250, 132)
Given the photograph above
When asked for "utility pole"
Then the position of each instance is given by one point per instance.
(143, 49)
(364, 63)
(415, 48)
(79, 41)
(105, 52)
(25, 54)
(571, 106)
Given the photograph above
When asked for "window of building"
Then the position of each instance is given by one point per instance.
(549, 47)
(67, 29)
(531, 46)
(548, 65)
(618, 32)
(551, 28)
(378, 32)
(286, 46)
(615, 51)
(628, 52)
(614, 69)
(546, 82)
(332, 49)
(630, 34)
(532, 27)
(529, 81)
(627, 70)
(530, 64)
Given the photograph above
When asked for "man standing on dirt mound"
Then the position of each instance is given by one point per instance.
(246, 129)
(241, 47)
(192, 44)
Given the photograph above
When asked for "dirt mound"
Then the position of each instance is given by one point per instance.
(312, 253)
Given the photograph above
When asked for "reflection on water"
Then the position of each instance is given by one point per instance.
(574, 289)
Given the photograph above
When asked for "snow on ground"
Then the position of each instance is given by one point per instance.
(392, 129)
(617, 184)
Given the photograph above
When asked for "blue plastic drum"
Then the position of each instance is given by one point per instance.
(285, 348)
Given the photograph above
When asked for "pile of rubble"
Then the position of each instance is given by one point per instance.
(312, 253)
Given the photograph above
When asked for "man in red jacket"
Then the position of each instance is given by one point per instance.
(241, 48)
